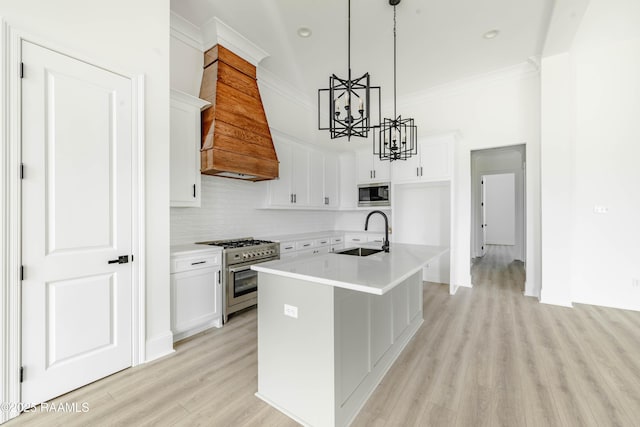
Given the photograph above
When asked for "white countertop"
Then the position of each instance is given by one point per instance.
(375, 274)
(192, 248)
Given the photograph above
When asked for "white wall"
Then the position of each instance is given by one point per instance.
(500, 209)
(594, 164)
(603, 71)
(494, 110)
(133, 38)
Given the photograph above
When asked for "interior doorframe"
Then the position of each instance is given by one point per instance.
(521, 183)
(10, 203)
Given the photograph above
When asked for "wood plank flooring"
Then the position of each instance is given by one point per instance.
(487, 356)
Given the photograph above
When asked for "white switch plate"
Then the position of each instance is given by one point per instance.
(291, 311)
(600, 209)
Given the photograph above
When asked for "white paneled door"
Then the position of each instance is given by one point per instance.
(76, 220)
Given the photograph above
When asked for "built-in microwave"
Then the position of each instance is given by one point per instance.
(378, 194)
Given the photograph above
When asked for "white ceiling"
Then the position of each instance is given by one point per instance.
(439, 41)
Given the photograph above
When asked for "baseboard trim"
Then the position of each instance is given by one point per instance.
(159, 346)
(558, 302)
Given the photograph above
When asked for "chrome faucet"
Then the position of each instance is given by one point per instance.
(385, 244)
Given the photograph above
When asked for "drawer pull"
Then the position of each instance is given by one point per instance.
(288, 247)
(306, 244)
(199, 262)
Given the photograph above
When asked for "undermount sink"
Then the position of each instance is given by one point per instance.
(359, 251)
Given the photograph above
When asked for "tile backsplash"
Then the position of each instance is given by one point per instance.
(231, 208)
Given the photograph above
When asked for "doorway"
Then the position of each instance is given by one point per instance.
(498, 216)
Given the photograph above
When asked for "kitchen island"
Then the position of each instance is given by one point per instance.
(331, 325)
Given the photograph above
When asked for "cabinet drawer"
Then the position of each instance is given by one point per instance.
(194, 262)
(337, 240)
(325, 241)
(287, 247)
(355, 238)
(375, 238)
(305, 244)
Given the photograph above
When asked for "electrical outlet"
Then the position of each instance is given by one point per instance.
(600, 209)
(635, 283)
(291, 311)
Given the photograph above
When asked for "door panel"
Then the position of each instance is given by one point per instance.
(76, 216)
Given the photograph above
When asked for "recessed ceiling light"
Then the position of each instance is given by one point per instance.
(491, 34)
(304, 32)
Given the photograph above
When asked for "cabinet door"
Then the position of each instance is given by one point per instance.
(185, 154)
(331, 181)
(364, 166)
(316, 179)
(407, 170)
(280, 190)
(381, 169)
(436, 161)
(300, 175)
(195, 299)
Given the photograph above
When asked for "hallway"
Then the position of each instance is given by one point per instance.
(498, 269)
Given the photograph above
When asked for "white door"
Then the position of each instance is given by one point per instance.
(76, 203)
(483, 216)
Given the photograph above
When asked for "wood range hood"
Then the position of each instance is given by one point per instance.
(236, 140)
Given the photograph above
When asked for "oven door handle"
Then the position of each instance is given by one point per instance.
(239, 269)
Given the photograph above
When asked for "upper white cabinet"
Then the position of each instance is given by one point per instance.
(185, 149)
(369, 168)
(434, 161)
(331, 188)
(308, 178)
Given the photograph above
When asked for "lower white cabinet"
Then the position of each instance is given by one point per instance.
(196, 293)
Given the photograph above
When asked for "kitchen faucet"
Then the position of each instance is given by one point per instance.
(385, 244)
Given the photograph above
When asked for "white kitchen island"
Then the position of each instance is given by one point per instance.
(331, 325)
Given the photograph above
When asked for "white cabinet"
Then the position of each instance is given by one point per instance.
(331, 181)
(309, 246)
(196, 292)
(434, 161)
(184, 172)
(292, 186)
(357, 239)
(308, 178)
(370, 168)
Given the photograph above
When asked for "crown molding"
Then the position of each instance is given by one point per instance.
(185, 31)
(215, 32)
(271, 81)
(512, 73)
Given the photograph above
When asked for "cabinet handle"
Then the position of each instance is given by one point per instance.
(374, 173)
(288, 247)
(355, 240)
(219, 277)
(194, 191)
(308, 244)
(295, 198)
(199, 262)
(291, 197)
(417, 171)
(370, 174)
(420, 170)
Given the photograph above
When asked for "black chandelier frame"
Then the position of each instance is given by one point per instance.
(346, 119)
(398, 137)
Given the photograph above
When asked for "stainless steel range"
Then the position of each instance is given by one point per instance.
(240, 283)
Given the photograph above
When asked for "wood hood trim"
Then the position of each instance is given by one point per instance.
(236, 139)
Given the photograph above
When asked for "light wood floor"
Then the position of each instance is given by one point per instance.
(485, 357)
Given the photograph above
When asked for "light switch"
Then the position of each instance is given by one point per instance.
(600, 209)
(291, 311)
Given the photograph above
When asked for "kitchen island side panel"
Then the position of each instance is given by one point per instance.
(296, 355)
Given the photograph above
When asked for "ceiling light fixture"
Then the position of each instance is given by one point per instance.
(491, 34)
(348, 102)
(304, 32)
(398, 136)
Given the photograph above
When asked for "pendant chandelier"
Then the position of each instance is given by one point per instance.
(397, 137)
(348, 102)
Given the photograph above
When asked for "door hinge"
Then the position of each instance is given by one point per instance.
(21, 170)
(21, 374)
(22, 70)
(22, 272)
